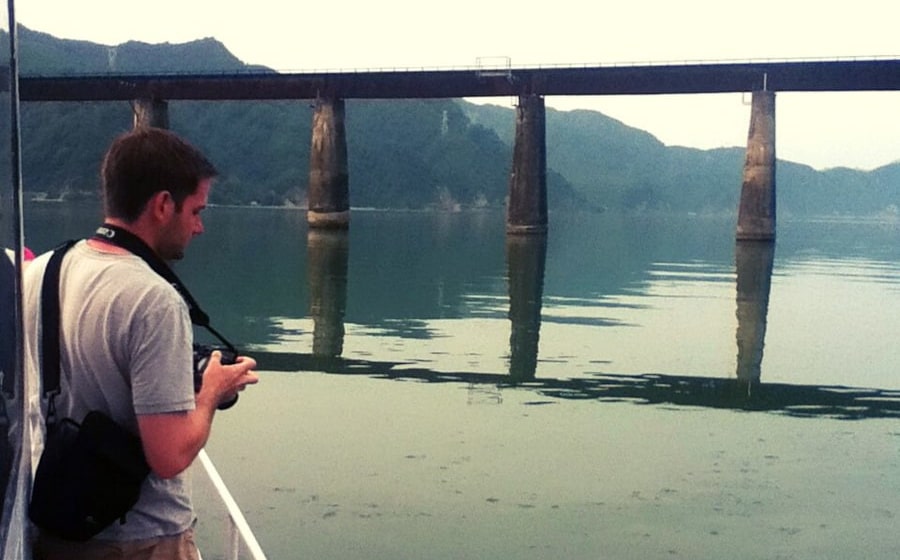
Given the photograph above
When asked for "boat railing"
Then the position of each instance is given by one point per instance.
(238, 535)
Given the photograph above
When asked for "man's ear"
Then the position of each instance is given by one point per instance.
(161, 205)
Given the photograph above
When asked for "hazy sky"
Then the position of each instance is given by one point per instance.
(820, 129)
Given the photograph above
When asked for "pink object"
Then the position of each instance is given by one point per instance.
(28, 254)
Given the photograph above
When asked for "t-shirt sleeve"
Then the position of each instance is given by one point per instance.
(162, 355)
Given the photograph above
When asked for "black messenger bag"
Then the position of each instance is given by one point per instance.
(89, 474)
(88, 477)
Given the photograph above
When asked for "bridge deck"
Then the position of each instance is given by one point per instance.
(840, 75)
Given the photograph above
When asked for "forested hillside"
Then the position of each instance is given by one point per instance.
(441, 153)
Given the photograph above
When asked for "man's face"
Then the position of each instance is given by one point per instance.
(183, 225)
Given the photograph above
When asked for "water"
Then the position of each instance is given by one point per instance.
(634, 387)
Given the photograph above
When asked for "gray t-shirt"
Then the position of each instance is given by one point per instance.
(126, 346)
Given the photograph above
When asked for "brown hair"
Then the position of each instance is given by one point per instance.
(145, 161)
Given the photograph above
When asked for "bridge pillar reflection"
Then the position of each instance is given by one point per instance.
(329, 193)
(753, 264)
(526, 256)
(756, 215)
(327, 253)
(150, 113)
(527, 206)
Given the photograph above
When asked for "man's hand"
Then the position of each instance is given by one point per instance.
(172, 441)
(227, 380)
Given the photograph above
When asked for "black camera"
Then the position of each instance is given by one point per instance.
(202, 354)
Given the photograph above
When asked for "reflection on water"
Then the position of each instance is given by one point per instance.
(597, 298)
(753, 264)
(712, 392)
(525, 260)
(327, 254)
(327, 258)
(746, 389)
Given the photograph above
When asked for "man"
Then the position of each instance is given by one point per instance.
(126, 341)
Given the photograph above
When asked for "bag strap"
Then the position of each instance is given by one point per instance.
(50, 327)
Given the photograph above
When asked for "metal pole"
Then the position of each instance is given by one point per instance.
(16, 538)
(15, 145)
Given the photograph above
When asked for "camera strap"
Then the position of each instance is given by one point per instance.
(135, 245)
(50, 304)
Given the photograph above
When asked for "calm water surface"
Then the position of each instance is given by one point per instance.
(635, 387)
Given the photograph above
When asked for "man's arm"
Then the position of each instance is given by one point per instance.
(173, 440)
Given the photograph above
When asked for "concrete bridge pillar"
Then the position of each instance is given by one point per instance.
(527, 206)
(328, 194)
(150, 113)
(756, 215)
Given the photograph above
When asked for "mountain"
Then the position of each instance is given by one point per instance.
(402, 153)
(41, 53)
(617, 166)
(407, 154)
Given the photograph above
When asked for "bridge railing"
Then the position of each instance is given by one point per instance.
(483, 64)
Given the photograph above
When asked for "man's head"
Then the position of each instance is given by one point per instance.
(157, 184)
(145, 161)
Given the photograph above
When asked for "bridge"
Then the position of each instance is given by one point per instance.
(328, 191)
(487, 81)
